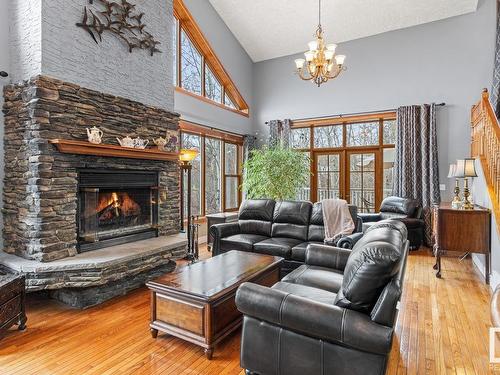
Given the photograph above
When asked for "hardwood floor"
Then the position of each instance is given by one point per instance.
(442, 329)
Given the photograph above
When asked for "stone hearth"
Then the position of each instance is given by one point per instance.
(41, 184)
(95, 276)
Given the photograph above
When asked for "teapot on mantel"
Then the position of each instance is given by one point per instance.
(94, 135)
(126, 141)
(160, 142)
(140, 143)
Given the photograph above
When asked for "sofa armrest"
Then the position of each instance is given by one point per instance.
(327, 256)
(411, 222)
(348, 242)
(370, 218)
(314, 319)
(219, 231)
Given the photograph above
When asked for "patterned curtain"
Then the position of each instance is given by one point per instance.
(279, 133)
(495, 89)
(416, 173)
(274, 133)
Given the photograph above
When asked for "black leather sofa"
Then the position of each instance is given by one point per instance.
(282, 229)
(407, 210)
(333, 315)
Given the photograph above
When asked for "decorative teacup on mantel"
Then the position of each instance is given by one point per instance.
(126, 142)
(94, 135)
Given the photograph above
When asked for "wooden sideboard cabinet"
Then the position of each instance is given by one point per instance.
(460, 230)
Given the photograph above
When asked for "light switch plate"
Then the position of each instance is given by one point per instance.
(442, 187)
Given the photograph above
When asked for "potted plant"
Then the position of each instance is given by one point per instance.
(277, 173)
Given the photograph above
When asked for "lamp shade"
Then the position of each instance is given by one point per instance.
(188, 156)
(452, 171)
(466, 168)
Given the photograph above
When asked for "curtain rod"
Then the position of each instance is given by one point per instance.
(212, 128)
(352, 114)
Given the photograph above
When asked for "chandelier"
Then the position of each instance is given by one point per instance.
(321, 63)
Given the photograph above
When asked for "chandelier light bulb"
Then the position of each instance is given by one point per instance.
(329, 55)
(299, 63)
(331, 47)
(340, 59)
(313, 45)
(309, 56)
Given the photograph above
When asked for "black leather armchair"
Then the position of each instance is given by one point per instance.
(333, 315)
(407, 210)
(282, 229)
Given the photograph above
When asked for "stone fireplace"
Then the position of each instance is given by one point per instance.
(74, 221)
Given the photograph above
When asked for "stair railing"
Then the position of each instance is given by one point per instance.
(485, 145)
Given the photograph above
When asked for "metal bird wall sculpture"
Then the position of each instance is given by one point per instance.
(120, 19)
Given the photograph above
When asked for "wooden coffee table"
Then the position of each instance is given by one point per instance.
(196, 302)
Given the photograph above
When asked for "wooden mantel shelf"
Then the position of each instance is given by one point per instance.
(87, 148)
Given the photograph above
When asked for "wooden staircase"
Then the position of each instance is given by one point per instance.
(485, 145)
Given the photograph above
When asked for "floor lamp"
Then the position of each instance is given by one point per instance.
(186, 157)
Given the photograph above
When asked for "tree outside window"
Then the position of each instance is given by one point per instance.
(191, 65)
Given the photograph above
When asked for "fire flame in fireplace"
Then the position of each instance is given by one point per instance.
(116, 204)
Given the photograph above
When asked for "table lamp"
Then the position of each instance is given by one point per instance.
(452, 173)
(466, 169)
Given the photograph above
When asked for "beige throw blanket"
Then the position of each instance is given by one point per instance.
(337, 219)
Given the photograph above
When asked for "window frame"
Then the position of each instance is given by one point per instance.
(345, 149)
(187, 24)
(225, 138)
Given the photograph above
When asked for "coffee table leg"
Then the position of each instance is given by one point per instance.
(154, 332)
(209, 352)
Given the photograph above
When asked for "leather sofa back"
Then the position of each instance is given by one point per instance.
(400, 207)
(291, 219)
(256, 216)
(316, 226)
(374, 261)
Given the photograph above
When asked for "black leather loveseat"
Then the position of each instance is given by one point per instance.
(283, 228)
(333, 315)
(407, 210)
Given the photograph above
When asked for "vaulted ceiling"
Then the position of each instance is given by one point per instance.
(273, 28)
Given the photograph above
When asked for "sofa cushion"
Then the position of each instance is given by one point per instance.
(243, 242)
(316, 277)
(374, 260)
(291, 219)
(316, 294)
(278, 246)
(316, 227)
(255, 216)
(299, 251)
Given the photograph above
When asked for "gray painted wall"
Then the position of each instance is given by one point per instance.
(481, 196)
(45, 40)
(236, 62)
(70, 54)
(446, 61)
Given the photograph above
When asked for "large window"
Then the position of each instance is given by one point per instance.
(351, 158)
(190, 65)
(216, 172)
(193, 141)
(197, 70)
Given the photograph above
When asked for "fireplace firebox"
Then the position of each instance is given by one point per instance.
(115, 207)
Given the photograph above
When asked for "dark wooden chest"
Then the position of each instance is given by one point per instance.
(12, 296)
